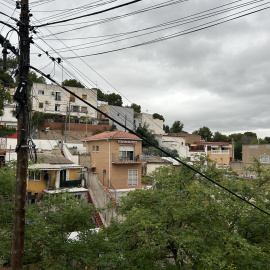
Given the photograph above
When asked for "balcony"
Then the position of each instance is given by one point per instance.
(70, 183)
(133, 158)
(220, 152)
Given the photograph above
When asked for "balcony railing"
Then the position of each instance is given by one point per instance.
(71, 183)
(116, 158)
(220, 152)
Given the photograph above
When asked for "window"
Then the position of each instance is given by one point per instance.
(75, 108)
(132, 178)
(34, 176)
(72, 98)
(126, 153)
(94, 148)
(97, 148)
(58, 96)
(40, 105)
(57, 107)
(84, 96)
(84, 109)
(40, 92)
(78, 196)
(264, 159)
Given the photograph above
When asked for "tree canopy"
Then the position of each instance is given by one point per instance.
(72, 83)
(177, 127)
(205, 133)
(136, 107)
(147, 134)
(158, 116)
(185, 222)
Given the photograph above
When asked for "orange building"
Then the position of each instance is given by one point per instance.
(117, 158)
(219, 152)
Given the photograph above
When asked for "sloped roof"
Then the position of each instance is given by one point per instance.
(117, 134)
(53, 157)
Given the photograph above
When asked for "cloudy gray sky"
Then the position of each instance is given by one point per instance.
(217, 77)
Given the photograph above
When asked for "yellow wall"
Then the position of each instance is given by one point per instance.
(73, 174)
(38, 186)
(221, 159)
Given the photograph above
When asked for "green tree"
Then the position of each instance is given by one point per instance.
(7, 190)
(147, 134)
(72, 83)
(177, 127)
(50, 224)
(152, 151)
(158, 116)
(34, 78)
(166, 128)
(114, 99)
(136, 107)
(185, 222)
(218, 137)
(205, 133)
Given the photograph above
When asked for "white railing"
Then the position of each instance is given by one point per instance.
(220, 152)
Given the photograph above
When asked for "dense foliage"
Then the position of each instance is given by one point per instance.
(147, 134)
(185, 222)
(72, 83)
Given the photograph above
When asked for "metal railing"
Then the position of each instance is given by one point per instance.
(220, 152)
(71, 183)
(127, 159)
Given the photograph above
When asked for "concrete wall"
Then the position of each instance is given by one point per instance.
(237, 166)
(251, 151)
(122, 114)
(102, 199)
(75, 127)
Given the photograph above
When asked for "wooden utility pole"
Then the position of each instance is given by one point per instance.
(22, 143)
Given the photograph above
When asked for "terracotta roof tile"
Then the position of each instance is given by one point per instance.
(117, 134)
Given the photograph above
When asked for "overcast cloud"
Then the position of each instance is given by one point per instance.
(217, 77)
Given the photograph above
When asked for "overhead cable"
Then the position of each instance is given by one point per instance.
(169, 36)
(91, 14)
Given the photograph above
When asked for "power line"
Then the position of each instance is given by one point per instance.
(165, 28)
(169, 36)
(91, 14)
(97, 22)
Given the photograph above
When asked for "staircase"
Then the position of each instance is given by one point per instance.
(96, 216)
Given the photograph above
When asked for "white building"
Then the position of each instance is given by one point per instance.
(154, 125)
(174, 143)
(51, 98)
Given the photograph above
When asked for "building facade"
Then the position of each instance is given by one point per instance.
(219, 152)
(153, 125)
(117, 158)
(50, 98)
(261, 152)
